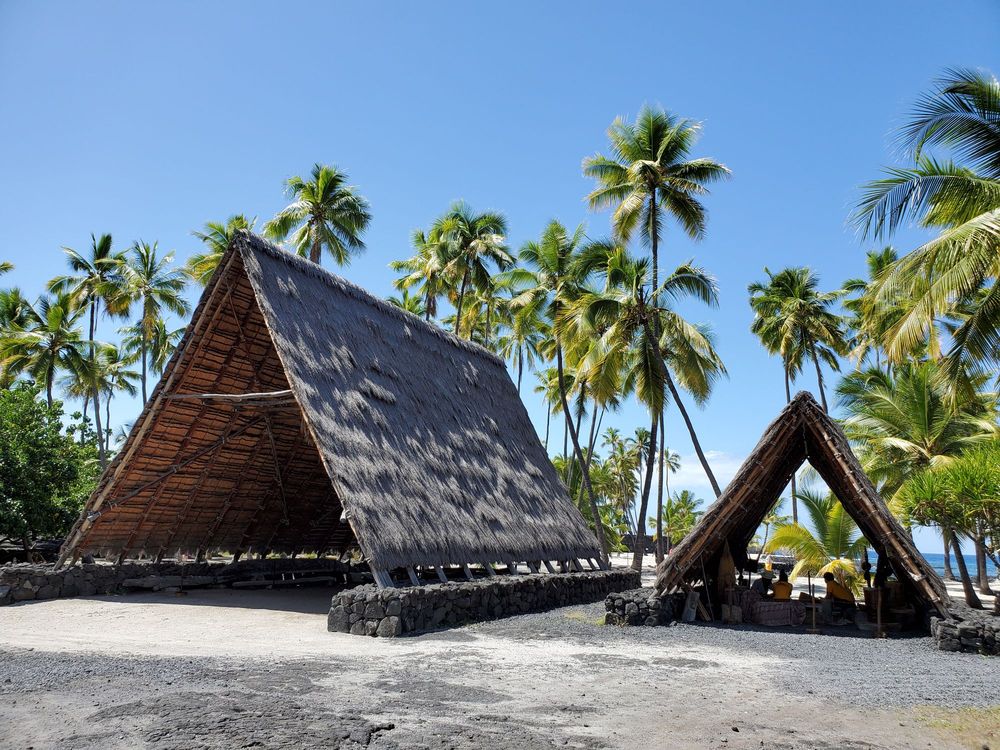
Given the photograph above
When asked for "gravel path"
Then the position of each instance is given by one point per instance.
(224, 669)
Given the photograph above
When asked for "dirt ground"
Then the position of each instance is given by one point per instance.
(241, 669)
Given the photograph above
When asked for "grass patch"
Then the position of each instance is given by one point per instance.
(973, 727)
(578, 616)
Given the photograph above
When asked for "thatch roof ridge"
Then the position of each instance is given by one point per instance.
(307, 267)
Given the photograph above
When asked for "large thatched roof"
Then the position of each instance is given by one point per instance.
(801, 432)
(365, 426)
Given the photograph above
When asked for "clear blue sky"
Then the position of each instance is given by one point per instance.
(147, 120)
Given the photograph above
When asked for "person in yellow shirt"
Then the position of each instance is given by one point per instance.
(841, 600)
(782, 588)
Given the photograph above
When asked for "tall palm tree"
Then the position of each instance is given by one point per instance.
(650, 176)
(326, 213)
(95, 279)
(793, 318)
(216, 236)
(962, 116)
(554, 284)
(6, 267)
(473, 243)
(425, 269)
(52, 342)
(626, 311)
(832, 545)
(155, 287)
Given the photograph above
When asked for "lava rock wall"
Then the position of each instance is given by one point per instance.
(367, 610)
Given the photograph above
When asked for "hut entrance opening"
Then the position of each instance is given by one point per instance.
(227, 461)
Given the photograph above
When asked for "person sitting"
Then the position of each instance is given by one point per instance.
(762, 584)
(839, 598)
(782, 588)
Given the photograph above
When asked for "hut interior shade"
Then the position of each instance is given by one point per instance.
(801, 432)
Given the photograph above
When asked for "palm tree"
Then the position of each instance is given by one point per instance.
(905, 421)
(681, 514)
(555, 283)
(114, 376)
(6, 267)
(216, 237)
(792, 318)
(152, 284)
(425, 270)
(51, 342)
(408, 302)
(523, 342)
(473, 242)
(326, 213)
(669, 462)
(832, 545)
(548, 387)
(867, 323)
(650, 171)
(95, 279)
(625, 311)
(927, 497)
(962, 115)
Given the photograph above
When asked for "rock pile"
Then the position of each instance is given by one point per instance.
(971, 630)
(638, 607)
(24, 582)
(366, 610)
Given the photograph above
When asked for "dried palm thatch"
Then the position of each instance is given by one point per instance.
(301, 413)
(802, 432)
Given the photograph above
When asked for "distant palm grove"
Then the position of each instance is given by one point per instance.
(588, 323)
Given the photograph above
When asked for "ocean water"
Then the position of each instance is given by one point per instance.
(936, 559)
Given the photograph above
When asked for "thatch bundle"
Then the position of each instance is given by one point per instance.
(801, 432)
(301, 413)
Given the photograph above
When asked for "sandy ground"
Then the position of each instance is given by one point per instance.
(229, 669)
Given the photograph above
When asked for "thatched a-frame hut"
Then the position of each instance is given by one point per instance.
(802, 432)
(300, 413)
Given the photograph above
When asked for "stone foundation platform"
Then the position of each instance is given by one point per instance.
(367, 610)
(971, 631)
(639, 607)
(26, 582)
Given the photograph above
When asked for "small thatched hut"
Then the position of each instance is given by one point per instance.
(300, 413)
(802, 432)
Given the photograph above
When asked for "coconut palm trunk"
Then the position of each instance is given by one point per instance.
(598, 526)
(639, 547)
(963, 571)
(819, 379)
(142, 354)
(95, 391)
(788, 400)
(316, 249)
(982, 574)
(659, 493)
(949, 575)
(687, 422)
(461, 301)
(548, 421)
